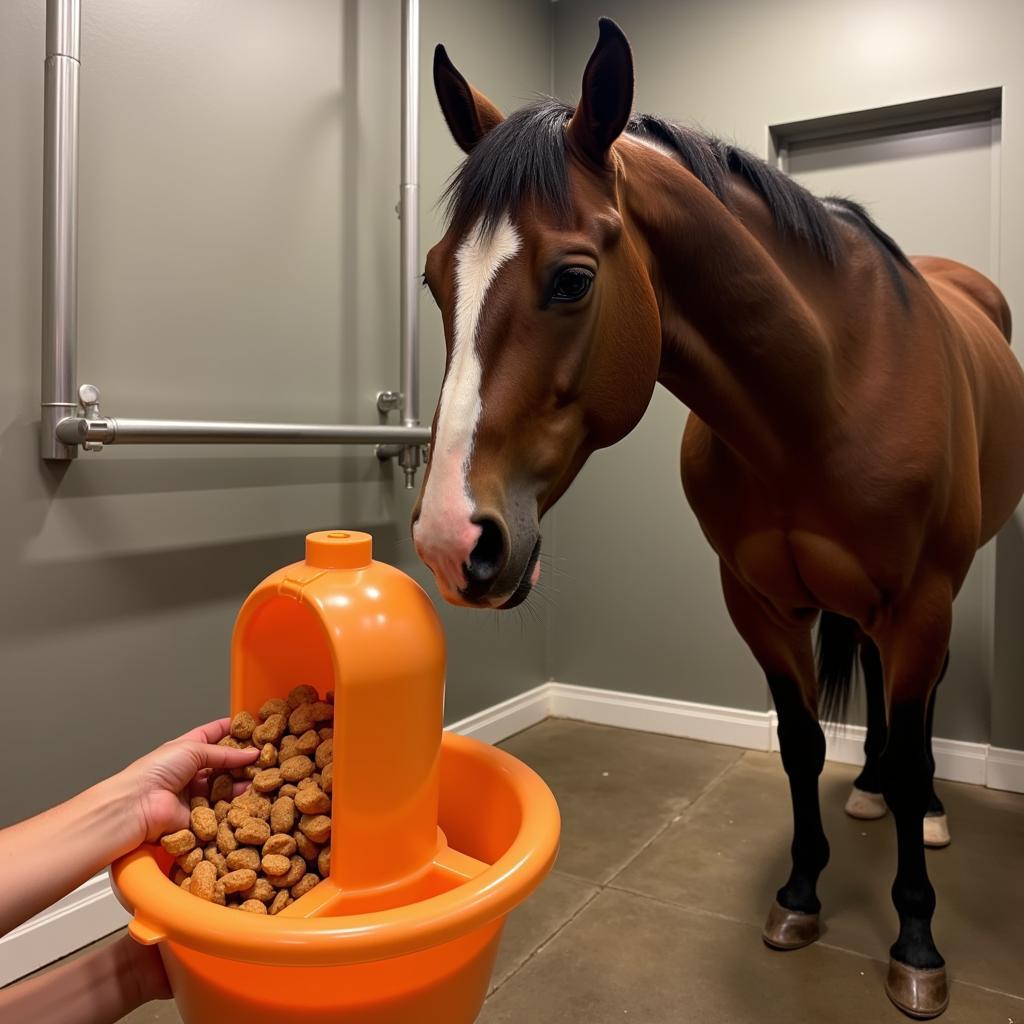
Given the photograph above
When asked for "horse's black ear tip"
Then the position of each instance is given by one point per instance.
(609, 31)
(441, 57)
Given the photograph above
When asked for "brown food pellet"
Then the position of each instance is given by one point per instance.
(217, 859)
(326, 733)
(219, 896)
(302, 718)
(270, 731)
(307, 742)
(204, 824)
(322, 712)
(222, 788)
(268, 780)
(316, 827)
(292, 876)
(230, 741)
(204, 881)
(253, 832)
(295, 768)
(236, 860)
(280, 901)
(282, 814)
(307, 882)
(221, 809)
(242, 725)
(305, 846)
(325, 753)
(226, 841)
(279, 843)
(327, 778)
(274, 706)
(188, 861)
(187, 883)
(236, 881)
(306, 783)
(179, 876)
(262, 891)
(253, 907)
(288, 789)
(256, 805)
(198, 801)
(323, 862)
(287, 748)
(312, 800)
(179, 842)
(276, 864)
(267, 758)
(302, 695)
(236, 816)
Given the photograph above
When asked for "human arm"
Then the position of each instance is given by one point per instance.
(44, 858)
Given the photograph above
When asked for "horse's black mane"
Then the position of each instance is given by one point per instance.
(524, 158)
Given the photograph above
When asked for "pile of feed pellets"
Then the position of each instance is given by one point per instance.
(263, 849)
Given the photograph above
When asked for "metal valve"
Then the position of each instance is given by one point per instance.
(89, 398)
(410, 456)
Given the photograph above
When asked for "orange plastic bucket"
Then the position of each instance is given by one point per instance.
(435, 837)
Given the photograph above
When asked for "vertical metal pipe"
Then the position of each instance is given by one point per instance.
(409, 213)
(60, 223)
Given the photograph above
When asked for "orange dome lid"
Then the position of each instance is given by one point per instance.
(339, 549)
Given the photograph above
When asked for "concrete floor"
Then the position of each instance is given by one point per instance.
(671, 853)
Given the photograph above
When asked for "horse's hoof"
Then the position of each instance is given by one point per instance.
(865, 805)
(921, 994)
(936, 831)
(790, 929)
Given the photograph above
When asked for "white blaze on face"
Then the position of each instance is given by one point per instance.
(444, 533)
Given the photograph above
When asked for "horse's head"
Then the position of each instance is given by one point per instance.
(550, 322)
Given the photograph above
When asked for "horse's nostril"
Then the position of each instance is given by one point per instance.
(487, 558)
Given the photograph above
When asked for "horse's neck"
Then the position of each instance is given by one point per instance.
(741, 344)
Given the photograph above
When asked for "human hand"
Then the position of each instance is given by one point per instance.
(161, 784)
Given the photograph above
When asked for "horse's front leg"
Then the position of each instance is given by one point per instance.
(913, 647)
(786, 655)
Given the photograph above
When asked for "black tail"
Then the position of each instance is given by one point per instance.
(838, 639)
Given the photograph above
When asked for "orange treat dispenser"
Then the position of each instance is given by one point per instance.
(435, 837)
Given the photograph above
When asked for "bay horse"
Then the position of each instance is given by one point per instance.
(854, 433)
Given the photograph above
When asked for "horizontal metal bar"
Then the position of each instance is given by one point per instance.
(75, 430)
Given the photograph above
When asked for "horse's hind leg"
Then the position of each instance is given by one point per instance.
(913, 646)
(787, 657)
(866, 800)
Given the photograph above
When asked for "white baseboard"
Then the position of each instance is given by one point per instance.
(92, 910)
(1005, 769)
(497, 723)
(736, 727)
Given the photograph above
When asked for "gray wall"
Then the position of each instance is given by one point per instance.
(647, 615)
(238, 245)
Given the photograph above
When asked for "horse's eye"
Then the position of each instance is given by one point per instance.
(572, 284)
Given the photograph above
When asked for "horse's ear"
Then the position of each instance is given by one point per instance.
(607, 97)
(470, 114)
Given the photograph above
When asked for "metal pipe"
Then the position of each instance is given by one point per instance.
(60, 223)
(76, 430)
(409, 213)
